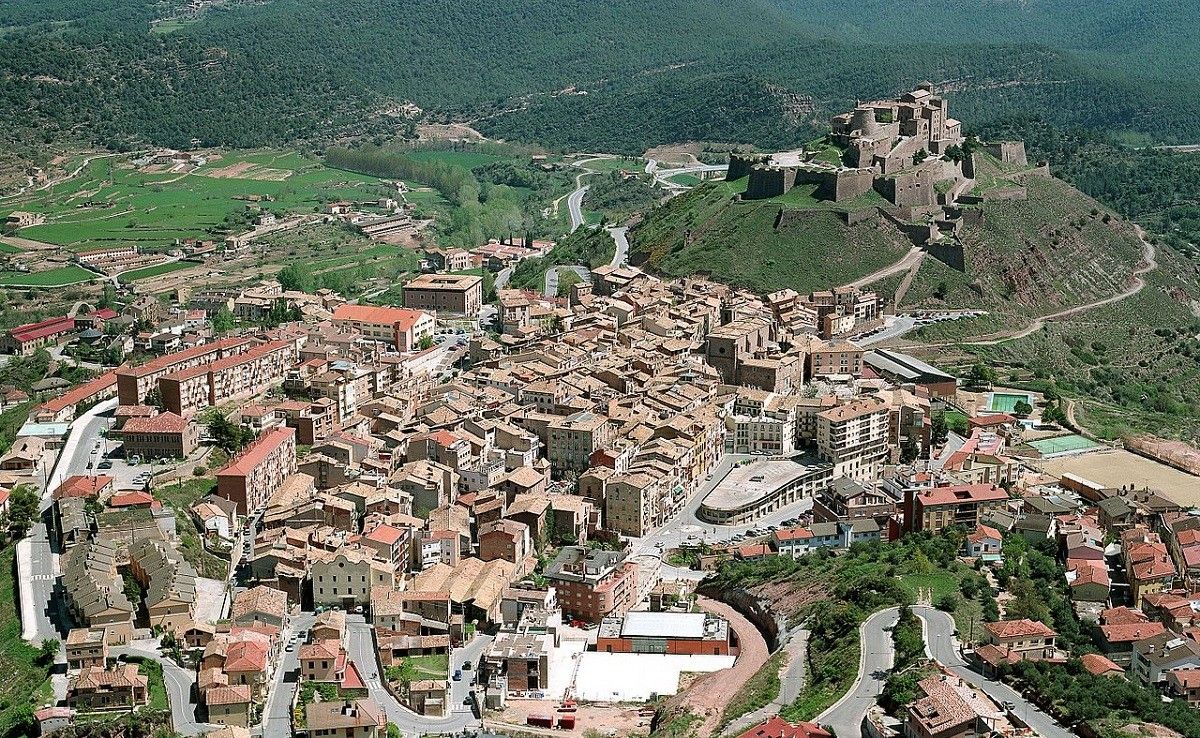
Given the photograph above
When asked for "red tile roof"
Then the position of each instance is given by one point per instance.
(82, 485)
(385, 534)
(43, 329)
(1122, 616)
(167, 422)
(131, 499)
(403, 318)
(254, 454)
(1099, 665)
(962, 493)
(1130, 632)
(1018, 629)
(81, 393)
(777, 727)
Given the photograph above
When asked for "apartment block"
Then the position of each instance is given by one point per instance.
(134, 383)
(935, 508)
(165, 435)
(572, 440)
(250, 478)
(854, 437)
(403, 328)
(593, 584)
(241, 375)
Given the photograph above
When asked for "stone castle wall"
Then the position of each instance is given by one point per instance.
(1009, 152)
(741, 164)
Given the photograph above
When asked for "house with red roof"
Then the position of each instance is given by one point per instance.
(935, 508)
(1010, 641)
(777, 727)
(82, 485)
(1117, 639)
(1185, 685)
(984, 543)
(1098, 665)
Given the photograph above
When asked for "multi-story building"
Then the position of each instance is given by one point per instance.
(86, 647)
(572, 440)
(935, 508)
(593, 583)
(250, 478)
(23, 340)
(345, 578)
(451, 293)
(854, 437)
(218, 382)
(505, 539)
(135, 383)
(1158, 655)
(836, 357)
(403, 328)
(360, 718)
(165, 435)
(96, 688)
(519, 661)
(635, 504)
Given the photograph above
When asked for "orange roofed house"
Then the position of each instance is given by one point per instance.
(936, 508)
(777, 727)
(253, 476)
(163, 435)
(401, 327)
(1009, 641)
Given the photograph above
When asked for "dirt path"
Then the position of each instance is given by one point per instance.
(711, 694)
(913, 256)
(1148, 265)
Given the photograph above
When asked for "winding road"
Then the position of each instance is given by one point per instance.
(1149, 264)
(941, 645)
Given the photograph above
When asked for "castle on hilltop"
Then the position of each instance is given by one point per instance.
(909, 150)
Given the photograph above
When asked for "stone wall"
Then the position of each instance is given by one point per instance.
(766, 182)
(1009, 152)
(741, 164)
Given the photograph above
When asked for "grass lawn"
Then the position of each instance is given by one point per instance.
(432, 666)
(25, 683)
(941, 582)
(157, 269)
(50, 278)
(7, 248)
(111, 202)
(152, 670)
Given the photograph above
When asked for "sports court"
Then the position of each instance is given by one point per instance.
(1064, 445)
(637, 677)
(1006, 402)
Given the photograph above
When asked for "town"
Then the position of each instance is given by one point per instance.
(562, 512)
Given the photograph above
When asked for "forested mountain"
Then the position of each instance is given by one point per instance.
(618, 75)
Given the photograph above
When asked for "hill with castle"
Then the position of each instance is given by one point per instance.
(890, 177)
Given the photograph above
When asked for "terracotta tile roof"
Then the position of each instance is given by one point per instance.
(167, 422)
(49, 327)
(403, 318)
(777, 727)
(131, 499)
(1099, 665)
(254, 454)
(1122, 616)
(82, 485)
(1018, 629)
(1130, 632)
(237, 694)
(961, 493)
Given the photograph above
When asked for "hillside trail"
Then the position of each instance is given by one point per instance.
(914, 255)
(1149, 264)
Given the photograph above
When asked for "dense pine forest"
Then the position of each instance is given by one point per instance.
(617, 75)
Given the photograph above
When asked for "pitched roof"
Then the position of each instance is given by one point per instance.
(1018, 628)
(403, 318)
(167, 422)
(777, 727)
(1099, 665)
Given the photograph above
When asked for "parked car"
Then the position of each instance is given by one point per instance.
(457, 675)
(106, 464)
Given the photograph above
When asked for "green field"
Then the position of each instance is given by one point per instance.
(155, 209)
(157, 269)
(9, 249)
(49, 278)
(464, 159)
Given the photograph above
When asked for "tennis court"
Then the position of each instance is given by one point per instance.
(1061, 445)
(1006, 402)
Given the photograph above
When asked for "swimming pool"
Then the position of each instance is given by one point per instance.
(1006, 402)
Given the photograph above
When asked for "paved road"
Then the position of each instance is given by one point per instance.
(361, 646)
(502, 277)
(791, 681)
(180, 685)
(662, 177)
(42, 614)
(551, 287)
(876, 658)
(942, 646)
(621, 255)
(575, 199)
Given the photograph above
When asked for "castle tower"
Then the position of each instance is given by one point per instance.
(864, 120)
